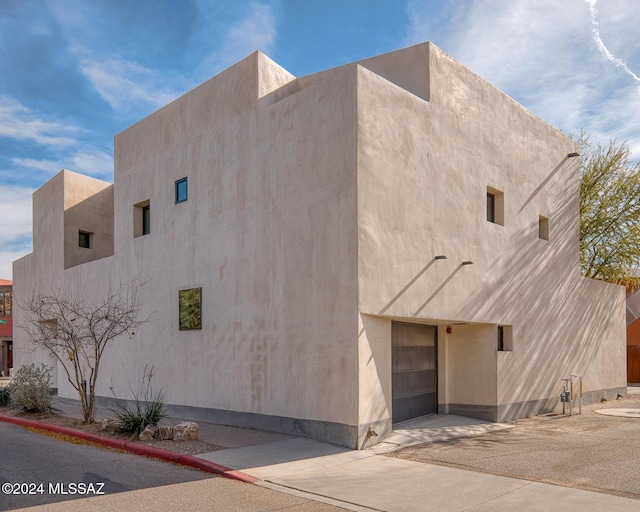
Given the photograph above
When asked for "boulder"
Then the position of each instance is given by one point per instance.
(148, 433)
(163, 433)
(185, 431)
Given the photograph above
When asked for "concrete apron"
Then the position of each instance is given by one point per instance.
(364, 481)
(292, 455)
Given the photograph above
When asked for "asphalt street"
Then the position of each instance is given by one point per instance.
(36, 469)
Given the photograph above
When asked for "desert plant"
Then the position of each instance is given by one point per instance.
(146, 408)
(31, 388)
(5, 395)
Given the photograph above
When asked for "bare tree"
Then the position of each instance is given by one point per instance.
(76, 332)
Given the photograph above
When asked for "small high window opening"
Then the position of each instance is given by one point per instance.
(141, 219)
(146, 220)
(181, 190)
(491, 207)
(84, 239)
(543, 228)
(495, 206)
(505, 338)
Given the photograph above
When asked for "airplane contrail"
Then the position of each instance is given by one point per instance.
(595, 29)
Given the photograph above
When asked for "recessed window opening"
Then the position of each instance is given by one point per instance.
(543, 228)
(495, 206)
(84, 239)
(505, 338)
(491, 207)
(141, 219)
(181, 190)
(146, 220)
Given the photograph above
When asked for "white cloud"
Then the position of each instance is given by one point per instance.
(15, 226)
(20, 122)
(595, 28)
(256, 30)
(543, 54)
(97, 163)
(126, 85)
(6, 261)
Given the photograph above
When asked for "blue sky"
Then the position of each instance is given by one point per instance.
(73, 73)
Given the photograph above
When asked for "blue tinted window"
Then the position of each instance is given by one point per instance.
(181, 190)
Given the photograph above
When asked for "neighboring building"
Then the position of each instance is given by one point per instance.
(307, 219)
(633, 336)
(6, 328)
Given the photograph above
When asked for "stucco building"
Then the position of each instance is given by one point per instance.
(6, 328)
(367, 244)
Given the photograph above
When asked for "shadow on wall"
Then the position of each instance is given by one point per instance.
(563, 319)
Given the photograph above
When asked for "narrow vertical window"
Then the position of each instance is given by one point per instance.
(505, 338)
(141, 219)
(543, 228)
(495, 206)
(181, 190)
(146, 220)
(491, 207)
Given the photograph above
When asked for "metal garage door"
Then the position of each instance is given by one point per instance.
(414, 370)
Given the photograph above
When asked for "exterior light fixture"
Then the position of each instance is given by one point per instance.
(573, 155)
(467, 262)
(441, 257)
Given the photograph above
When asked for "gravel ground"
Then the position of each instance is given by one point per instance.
(57, 418)
(589, 451)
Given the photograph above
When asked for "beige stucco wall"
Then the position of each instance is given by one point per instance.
(424, 168)
(66, 203)
(88, 208)
(276, 264)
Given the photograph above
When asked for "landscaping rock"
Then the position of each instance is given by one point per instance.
(163, 433)
(109, 425)
(186, 431)
(148, 433)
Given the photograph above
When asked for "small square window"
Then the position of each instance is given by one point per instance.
(84, 239)
(543, 228)
(181, 190)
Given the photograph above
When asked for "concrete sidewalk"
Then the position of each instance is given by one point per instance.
(365, 480)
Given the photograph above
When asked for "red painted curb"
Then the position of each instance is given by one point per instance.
(136, 448)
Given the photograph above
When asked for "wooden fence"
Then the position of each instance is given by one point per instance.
(633, 363)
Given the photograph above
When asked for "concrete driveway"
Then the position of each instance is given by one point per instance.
(589, 451)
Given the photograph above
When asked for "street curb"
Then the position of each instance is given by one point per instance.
(136, 448)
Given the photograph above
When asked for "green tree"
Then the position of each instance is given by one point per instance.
(609, 213)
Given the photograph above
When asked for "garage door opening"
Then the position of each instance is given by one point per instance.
(414, 377)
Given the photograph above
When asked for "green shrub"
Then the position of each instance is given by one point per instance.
(147, 408)
(31, 388)
(5, 395)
